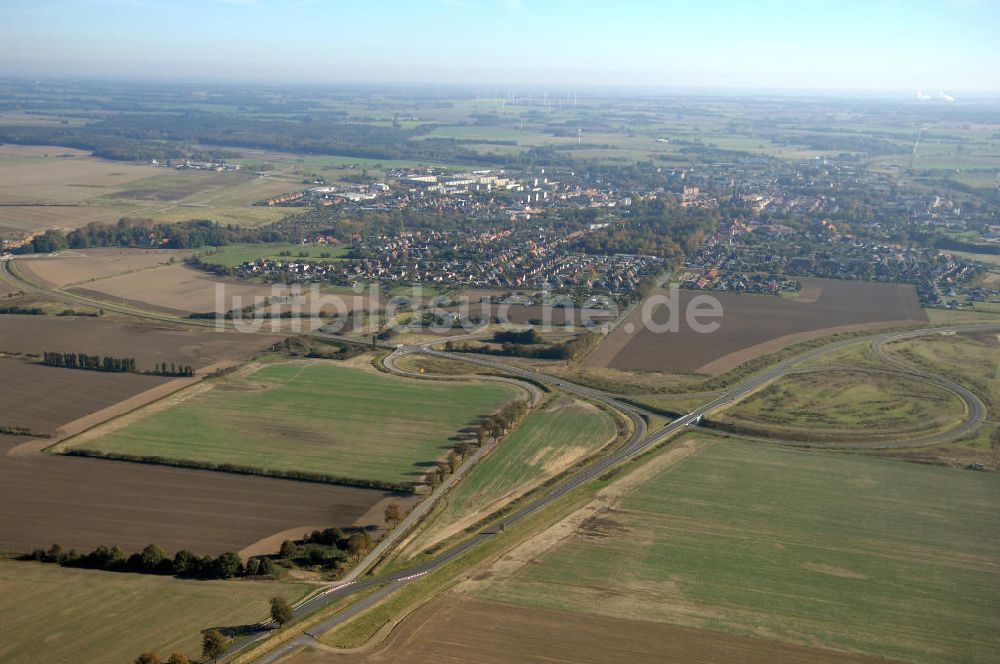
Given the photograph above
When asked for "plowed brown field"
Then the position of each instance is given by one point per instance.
(147, 342)
(754, 325)
(83, 503)
(457, 629)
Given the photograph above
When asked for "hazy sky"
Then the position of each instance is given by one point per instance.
(929, 45)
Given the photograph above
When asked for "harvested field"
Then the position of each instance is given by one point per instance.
(754, 325)
(843, 552)
(76, 615)
(206, 188)
(65, 180)
(11, 150)
(176, 289)
(51, 187)
(177, 185)
(180, 290)
(312, 417)
(43, 216)
(78, 266)
(82, 503)
(240, 216)
(6, 289)
(147, 342)
(455, 629)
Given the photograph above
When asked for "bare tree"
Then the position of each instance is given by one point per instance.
(393, 515)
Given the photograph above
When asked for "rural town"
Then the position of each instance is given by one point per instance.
(499, 331)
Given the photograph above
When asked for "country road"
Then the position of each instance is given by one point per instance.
(639, 440)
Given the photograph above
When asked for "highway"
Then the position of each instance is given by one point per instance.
(639, 441)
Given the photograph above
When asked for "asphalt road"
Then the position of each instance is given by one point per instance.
(637, 443)
(639, 440)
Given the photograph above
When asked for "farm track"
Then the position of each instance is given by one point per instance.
(639, 441)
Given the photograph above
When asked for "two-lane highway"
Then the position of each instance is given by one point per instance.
(638, 441)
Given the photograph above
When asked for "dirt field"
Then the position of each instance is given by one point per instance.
(44, 398)
(457, 629)
(148, 343)
(753, 325)
(78, 266)
(82, 503)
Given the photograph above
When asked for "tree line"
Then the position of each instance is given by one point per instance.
(38, 311)
(89, 362)
(111, 364)
(162, 369)
(493, 426)
(154, 560)
(132, 232)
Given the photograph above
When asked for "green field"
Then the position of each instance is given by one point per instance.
(232, 255)
(850, 405)
(315, 417)
(72, 615)
(545, 442)
(853, 553)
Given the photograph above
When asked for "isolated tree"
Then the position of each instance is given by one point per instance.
(281, 611)
(393, 515)
(148, 658)
(214, 644)
(995, 443)
(178, 658)
(358, 544)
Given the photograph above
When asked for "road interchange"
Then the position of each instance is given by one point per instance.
(639, 440)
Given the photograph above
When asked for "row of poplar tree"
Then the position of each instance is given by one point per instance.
(111, 364)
